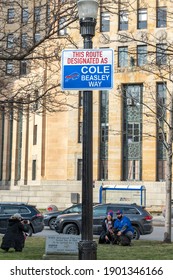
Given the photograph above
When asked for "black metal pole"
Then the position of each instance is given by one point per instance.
(87, 247)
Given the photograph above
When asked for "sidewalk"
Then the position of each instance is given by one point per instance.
(159, 220)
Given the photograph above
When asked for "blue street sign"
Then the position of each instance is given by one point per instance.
(90, 69)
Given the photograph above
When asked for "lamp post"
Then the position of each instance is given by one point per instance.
(87, 10)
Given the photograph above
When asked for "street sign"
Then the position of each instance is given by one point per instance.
(87, 69)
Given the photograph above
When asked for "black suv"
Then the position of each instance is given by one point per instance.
(140, 219)
(28, 212)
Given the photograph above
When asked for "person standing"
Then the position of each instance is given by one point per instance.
(107, 233)
(123, 229)
(15, 234)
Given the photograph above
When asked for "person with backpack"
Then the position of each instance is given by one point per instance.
(123, 229)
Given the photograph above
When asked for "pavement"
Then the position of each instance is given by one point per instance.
(159, 220)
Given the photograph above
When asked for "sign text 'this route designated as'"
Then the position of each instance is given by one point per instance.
(87, 69)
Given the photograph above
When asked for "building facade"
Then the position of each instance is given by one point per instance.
(44, 151)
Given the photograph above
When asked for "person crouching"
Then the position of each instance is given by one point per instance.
(107, 235)
(14, 236)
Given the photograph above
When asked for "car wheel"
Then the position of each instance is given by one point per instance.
(52, 223)
(30, 231)
(71, 229)
(136, 234)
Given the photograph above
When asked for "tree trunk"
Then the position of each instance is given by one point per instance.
(167, 233)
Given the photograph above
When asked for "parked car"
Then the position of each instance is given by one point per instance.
(50, 217)
(140, 219)
(28, 212)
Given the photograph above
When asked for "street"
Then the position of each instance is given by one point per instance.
(157, 234)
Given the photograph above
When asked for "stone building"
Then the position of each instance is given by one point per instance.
(41, 154)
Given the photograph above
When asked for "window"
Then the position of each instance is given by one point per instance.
(80, 98)
(103, 169)
(35, 135)
(62, 30)
(122, 56)
(133, 170)
(48, 13)
(161, 57)
(9, 67)
(23, 67)
(123, 20)
(80, 132)
(142, 18)
(37, 37)
(34, 170)
(24, 40)
(132, 136)
(10, 15)
(104, 132)
(79, 169)
(161, 17)
(25, 15)
(104, 22)
(133, 132)
(161, 170)
(161, 93)
(37, 14)
(141, 55)
(161, 133)
(10, 41)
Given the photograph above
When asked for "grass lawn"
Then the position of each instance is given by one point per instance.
(140, 250)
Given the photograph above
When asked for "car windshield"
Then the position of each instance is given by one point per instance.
(73, 209)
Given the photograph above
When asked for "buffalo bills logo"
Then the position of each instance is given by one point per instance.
(73, 77)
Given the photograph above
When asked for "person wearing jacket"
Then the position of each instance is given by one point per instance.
(15, 234)
(123, 228)
(107, 234)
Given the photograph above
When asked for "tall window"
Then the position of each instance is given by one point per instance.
(35, 135)
(23, 67)
(10, 41)
(142, 18)
(104, 22)
(161, 17)
(2, 125)
(10, 15)
(141, 55)
(123, 20)
(132, 137)
(10, 142)
(34, 166)
(161, 134)
(79, 169)
(48, 13)
(24, 40)
(161, 54)
(19, 145)
(122, 56)
(37, 14)
(25, 15)
(80, 132)
(80, 98)
(104, 134)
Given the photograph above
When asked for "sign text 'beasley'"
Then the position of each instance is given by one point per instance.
(87, 69)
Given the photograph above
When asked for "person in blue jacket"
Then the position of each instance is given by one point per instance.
(123, 229)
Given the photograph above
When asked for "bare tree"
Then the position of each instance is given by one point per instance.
(32, 37)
